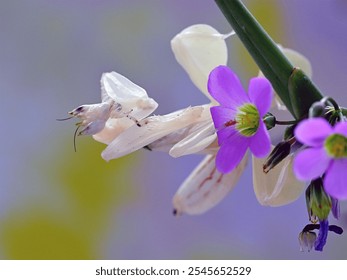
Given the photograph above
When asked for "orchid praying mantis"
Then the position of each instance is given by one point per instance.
(233, 123)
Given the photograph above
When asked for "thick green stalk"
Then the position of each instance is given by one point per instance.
(270, 59)
(302, 93)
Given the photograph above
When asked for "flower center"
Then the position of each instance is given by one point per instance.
(247, 119)
(336, 146)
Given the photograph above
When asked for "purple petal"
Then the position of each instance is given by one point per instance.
(312, 132)
(311, 163)
(336, 229)
(322, 235)
(225, 87)
(260, 93)
(335, 179)
(231, 153)
(221, 116)
(341, 128)
(225, 133)
(260, 143)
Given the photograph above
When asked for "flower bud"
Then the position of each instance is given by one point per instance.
(335, 208)
(317, 109)
(199, 49)
(269, 120)
(333, 119)
(289, 132)
(307, 240)
(280, 152)
(317, 201)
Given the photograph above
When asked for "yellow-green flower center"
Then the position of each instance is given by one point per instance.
(336, 146)
(247, 119)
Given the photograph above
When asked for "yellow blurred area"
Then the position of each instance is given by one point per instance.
(271, 19)
(73, 221)
(37, 234)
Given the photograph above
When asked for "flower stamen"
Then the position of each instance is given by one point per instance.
(247, 120)
(230, 123)
(336, 146)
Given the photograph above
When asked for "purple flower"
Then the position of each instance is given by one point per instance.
(327, 154)
(238, 119)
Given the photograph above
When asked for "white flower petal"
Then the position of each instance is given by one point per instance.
(151, 129)
(298, 60)
(279, 186)
(132, 98)
(199, 49)
(205, 187)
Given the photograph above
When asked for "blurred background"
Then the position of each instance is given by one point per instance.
(59, 204)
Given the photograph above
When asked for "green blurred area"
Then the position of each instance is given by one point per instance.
(37, 234)
(89, 192)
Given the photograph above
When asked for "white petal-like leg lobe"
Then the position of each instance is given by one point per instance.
(117, 87)
(205, 187)
(112, 129)
(279, 186)
(132, 98)
(201, 136)
(150, 130)
(122, 101)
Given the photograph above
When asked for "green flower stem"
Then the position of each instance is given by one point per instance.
(302, 92)
(274, 65)
(285, 122)
(332, 102)
(343, 111)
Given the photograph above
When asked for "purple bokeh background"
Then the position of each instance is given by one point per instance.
(52, 55)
